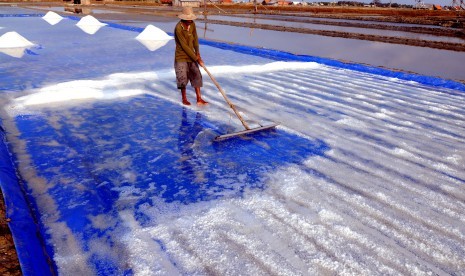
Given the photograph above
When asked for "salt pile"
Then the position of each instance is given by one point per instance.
(153, 38)
(13, 44)
(89, 24)
(153, 33)
(14, 52)
(14, 40)
(52, 18)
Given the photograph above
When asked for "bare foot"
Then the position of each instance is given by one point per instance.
(186, 102)
(201, 102)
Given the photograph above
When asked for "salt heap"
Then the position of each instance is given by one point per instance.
(89, 24)
(13, 44)
(14, 40)
(153, 38)
(52, 18)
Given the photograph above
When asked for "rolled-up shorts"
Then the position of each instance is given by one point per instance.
(187, 71)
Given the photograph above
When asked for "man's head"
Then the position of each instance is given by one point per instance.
(187, 14)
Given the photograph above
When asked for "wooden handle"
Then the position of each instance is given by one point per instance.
(226, 98)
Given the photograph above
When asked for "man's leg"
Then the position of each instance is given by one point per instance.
(184, 97)
(200, 101)
(195, 78)
(181, 69)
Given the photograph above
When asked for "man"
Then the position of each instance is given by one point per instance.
(187, 56)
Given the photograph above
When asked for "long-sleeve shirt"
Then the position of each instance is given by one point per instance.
(187, 42)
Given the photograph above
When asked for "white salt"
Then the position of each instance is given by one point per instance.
(89, 20)
(14, 40)
(52, 18)
(153, 33)
(90, 24)
(14, 52)
(13, 44)
(153, 45)
(153, 38)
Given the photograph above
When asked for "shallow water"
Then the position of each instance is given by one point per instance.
(425, 61)
(281, 17)
(341, 29)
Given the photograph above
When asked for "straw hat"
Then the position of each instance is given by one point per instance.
(187, 14)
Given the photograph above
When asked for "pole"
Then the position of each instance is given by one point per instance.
(226, 98)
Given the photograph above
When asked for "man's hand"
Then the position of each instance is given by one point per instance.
(200, 61)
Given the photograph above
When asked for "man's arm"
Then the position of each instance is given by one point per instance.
(196, 46)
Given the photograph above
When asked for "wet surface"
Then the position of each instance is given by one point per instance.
(306, 18)
(338, 28)
(421, 60)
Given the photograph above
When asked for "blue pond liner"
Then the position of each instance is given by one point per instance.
(36, 256)
(172, 160)
(23, 225)
(21, 15)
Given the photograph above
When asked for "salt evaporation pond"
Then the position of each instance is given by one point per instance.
(421, 60)
(365, 174)
(311, 26)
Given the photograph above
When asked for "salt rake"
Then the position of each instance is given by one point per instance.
(247, 130)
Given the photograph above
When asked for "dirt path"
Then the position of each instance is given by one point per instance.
(9, 264)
